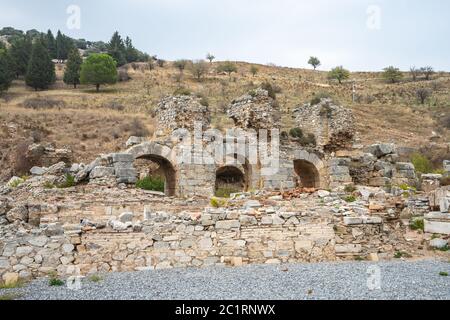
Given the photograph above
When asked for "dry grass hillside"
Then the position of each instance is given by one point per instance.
(91, 123)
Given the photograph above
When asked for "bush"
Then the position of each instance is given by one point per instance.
(151, 184)
(273, 90)
(217, 203)
(182, 92)
(350, 199)
(41, 103)
(423, 94)
(445, 181)
(421, 163)
(318, 97)
(308, 140)
(296, 133)
(68, 183)
(417, 224)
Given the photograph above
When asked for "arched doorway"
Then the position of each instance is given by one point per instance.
(157, 170)
(307, 173)
(154, 160)
(230, 179)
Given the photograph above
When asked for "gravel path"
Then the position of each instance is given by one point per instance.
(399, 280)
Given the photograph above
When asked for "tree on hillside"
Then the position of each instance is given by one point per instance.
(6, 74)
(181, 65)
(423, 94)
(64, 45)
(427, 71)
(41, 70)
(20, 52)
(227, 67)
(392, 74)
(98, 69)
(131, 53)
(414, 73)
(117, 50)
(210, 57)
(254, 70)
(314, 61)
(51, 44)
(73, 66)
(339, 74)
(198, 69)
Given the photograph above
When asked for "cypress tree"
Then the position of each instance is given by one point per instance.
(51, 44)
(117, 50)
(20, 52)
(41, 70)
(73, 66)
(6, 74)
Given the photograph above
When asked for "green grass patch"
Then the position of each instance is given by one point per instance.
(350, 199)
(217, 203)
(443, 274)
(151, 184)
(225, 192)
(417, 224)
(95, 278)
(401, 254)
(68, 182)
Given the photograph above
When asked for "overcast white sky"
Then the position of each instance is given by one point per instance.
(359, 34)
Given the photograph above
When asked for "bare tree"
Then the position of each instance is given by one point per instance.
(199, 69)
(414, 73)
(427, 71)
(423, 94)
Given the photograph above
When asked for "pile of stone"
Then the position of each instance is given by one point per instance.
(332, 125)
(255, 110)
(174, 112)
(378, 167)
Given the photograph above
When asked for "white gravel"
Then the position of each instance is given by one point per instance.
(399, 280)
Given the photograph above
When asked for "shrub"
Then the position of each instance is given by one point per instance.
(272, 90)
(204, 102)
(217, 203)
(423, 94)
(296, 133)
(421, 163)
(349, 188)
(227, 67)
(443, 274)
(182, 92)
(151, 184)
(350, 199)
(54, 282)
(417, 224)
(318, 97)
(445, 181)
(41, 103)
(254, 70)
(199, 69)
(69, 182)
(308, 140)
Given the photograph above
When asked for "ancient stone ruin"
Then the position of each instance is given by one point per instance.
(330, 202)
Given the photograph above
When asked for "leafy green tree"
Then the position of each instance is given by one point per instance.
(314, 61)
(51, 44)
(73, 66)
(227, 67)
(392, 74)
(41, 70)
(339, 74)
(20, 52)
(99, 69)
(117, 49)
(6, 73)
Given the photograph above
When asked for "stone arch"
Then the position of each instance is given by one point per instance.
(309, 169)
(231, 177)
(163, 156)
(250, 171)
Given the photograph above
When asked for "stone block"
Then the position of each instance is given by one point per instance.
(227, 224)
